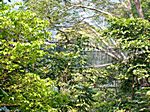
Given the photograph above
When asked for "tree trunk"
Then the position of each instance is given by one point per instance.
(139, 8)
(129, 8)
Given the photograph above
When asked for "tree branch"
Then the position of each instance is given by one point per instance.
(99, 66)
(91, 8)
(9, 105)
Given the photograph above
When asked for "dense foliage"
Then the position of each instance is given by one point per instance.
(132, 36)
(45, 62)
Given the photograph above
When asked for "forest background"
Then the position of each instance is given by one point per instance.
(46, 63)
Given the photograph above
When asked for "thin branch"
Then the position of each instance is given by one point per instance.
(68, 41)
(94, 9)
(105, 51)
(9, 105)
(108, 46)
(98, 66)
(121, 53)
(91, 46)
(83, 18)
